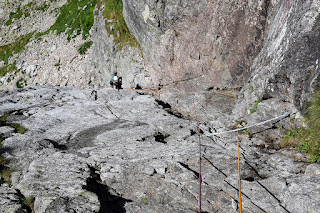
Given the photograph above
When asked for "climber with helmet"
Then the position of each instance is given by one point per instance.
(116, 81)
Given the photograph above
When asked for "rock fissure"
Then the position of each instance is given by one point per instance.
(280, 204)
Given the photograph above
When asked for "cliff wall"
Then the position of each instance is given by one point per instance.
(267, 49)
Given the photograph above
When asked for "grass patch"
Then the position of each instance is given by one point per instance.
(113, 11)
(144, 201)
(18, 14)
(8, 50)
(17, 127)
(306, 139)
(8, 69)
(84, 47)
(75, 17)
(3, 119)
(255, 106)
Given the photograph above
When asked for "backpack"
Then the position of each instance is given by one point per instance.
(111, 81)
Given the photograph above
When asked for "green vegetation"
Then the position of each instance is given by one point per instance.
(144, 201)
(75, 16)
(6, 175)
(43, 7)
(8, 69)
(18, 128)
(255, 106)
(243, 123)
(28, 201)
(306, 139)
(113, 12)
(3, 119)
(5, 171)
(84, 47)
(16, 15)
(251, 89)
(8, 50)
(21, 83)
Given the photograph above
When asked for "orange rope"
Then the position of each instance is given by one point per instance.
(144, 90)
(200, 151)
(235, 99)
(224, 94)
(239, 170)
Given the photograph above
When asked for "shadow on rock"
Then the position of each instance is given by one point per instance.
(109, 203)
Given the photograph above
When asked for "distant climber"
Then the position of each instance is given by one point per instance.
(115, 81)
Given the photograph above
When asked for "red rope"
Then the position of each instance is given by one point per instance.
(195, 112)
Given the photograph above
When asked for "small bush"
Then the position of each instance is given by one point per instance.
(21, 83)
(255, 106)
(307, 139)
(289, 139)
(84, 47)
(251, 89)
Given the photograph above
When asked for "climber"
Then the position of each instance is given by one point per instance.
(116, 81)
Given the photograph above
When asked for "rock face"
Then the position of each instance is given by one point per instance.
(120, 151)
(107, 58)
(287, 66)
(267, 48)
(202, 44)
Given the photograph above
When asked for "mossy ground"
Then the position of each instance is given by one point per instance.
(75, 17)
(113, 13)
(306, 139)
